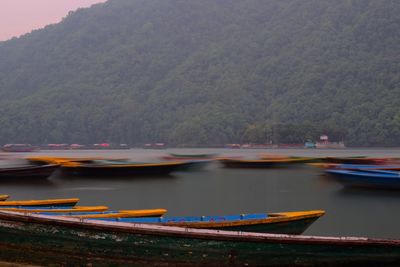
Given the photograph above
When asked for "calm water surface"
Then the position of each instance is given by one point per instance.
(217, 191)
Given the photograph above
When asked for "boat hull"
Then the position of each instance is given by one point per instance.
(29, 172)
(123, 171)
(76, 242)
(366, 179)
(280, 223)
(67, 202)
(252, 164)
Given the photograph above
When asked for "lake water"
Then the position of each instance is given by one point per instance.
(218, 191)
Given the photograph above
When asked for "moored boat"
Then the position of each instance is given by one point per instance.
(126, 169)
(354, 160)
(29, 171)
(48, 239)
(368, 178)
(113, 214)
(4, 197)
(259, 163)
(66, 202)
(360, 167)
(281, 223)
(55, 210)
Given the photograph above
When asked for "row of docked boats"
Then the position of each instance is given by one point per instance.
(373, 172)
(78, 236)
(283, 222)
(44, 167)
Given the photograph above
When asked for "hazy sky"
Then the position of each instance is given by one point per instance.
(22, 16)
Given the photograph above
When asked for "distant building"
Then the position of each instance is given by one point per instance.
(324, 143)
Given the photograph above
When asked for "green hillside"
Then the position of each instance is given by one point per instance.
(207, 72)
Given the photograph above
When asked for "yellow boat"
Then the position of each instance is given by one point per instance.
(4, 197)
(67, 202)
(121, 214)
(75, 209)
(67, 162)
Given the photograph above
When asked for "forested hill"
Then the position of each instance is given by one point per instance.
(207, 72)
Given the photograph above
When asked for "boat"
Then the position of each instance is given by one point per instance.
(360, 167)
(43, 240)
(259, 163)
(67, 202)
(111, 214)
(368, 178)
(31, 171)
(288, 159)
(354, 160)
(103, 168)
(4, 197)
(52, 210)
(281, 223)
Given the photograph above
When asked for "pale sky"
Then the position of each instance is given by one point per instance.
(22, 16)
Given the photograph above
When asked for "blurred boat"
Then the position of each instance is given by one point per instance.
(260, 163)
(360, 167)
(355, 160)
(43, 240)
(30, 171)
(368, 178)
(121, 168)
(282, 223)
(66, 161)
(4, 197)
(67, 202)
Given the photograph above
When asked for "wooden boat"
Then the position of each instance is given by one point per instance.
(28, 171)
(282, 223)
(67, 202)
(4, 197)
(105, 169)
(41, 240)
(369, 178)
(258, 163)
(112, 214)
(69, 210)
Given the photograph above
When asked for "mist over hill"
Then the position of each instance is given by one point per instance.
(207, 72)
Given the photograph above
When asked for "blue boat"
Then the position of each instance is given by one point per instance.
(367, 178)
(282, 223)
(356, 167)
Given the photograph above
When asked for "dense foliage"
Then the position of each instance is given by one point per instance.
(207, 72)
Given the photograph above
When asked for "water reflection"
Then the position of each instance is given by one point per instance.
(26, 182)
(369, 192)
